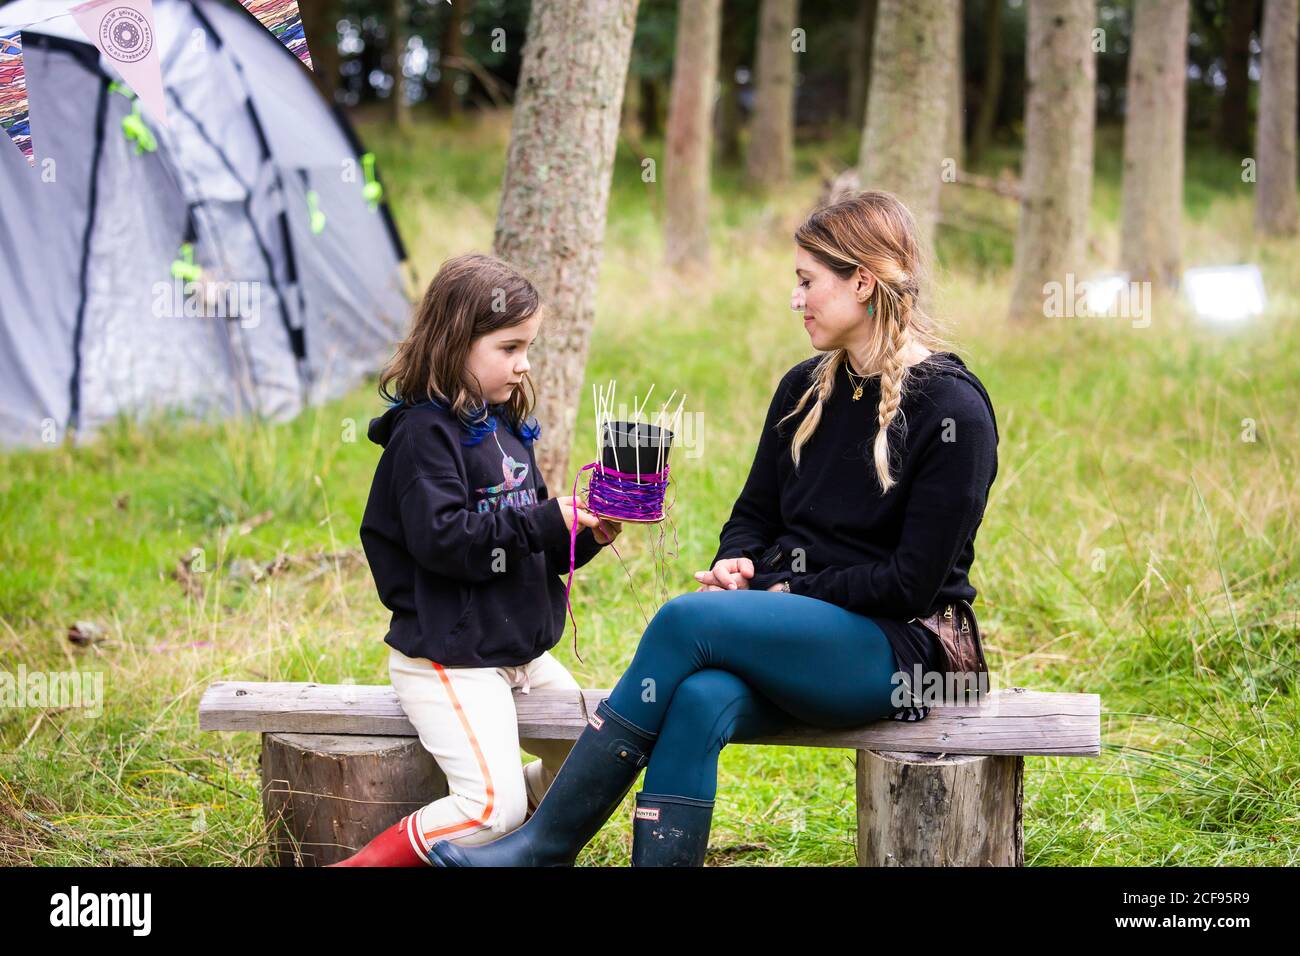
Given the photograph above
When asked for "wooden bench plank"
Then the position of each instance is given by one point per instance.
(1011, 721)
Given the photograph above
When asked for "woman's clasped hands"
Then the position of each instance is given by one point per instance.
(729, 574)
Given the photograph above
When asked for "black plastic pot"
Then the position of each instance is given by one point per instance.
(633, 448)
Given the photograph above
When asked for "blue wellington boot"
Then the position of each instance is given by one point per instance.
(668, 830)
(594, 779)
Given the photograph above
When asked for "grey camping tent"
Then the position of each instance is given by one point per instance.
(198, 273)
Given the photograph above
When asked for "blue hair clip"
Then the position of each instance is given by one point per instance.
(529, 431)
(479, 428)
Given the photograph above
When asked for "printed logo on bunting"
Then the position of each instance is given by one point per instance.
(14, 116)
(284, 21)
(125, 35)
(123, 31)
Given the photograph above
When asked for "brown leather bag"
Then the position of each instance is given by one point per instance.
(959, 637)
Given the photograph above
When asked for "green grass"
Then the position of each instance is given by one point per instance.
(1135, 546)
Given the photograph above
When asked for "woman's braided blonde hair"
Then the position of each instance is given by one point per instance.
(874, 230)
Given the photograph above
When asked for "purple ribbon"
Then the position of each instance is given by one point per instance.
(620, 496)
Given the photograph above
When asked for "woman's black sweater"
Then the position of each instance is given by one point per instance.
(829, 529)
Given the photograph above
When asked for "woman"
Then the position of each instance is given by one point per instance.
(858, 518)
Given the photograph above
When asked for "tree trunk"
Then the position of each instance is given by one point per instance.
(632, 128)
(396, 47)
(551, 223)
(770, 158)
(1234, 110)
(1152, 190)
(940, 809)
(1056, 182)
(320, 26)
(729, 113)
(452, 48)
(957, 99)
(864, 27)
(325, 796)
(986, 121)
(651, 120)
(1275, 129)
(906, 129)
(690, 135)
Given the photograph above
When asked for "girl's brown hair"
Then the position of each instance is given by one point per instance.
(874, 230)
(471, 296)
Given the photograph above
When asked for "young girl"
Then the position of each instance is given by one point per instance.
(469, 552)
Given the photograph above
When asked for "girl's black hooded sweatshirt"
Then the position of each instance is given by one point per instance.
(467, 548)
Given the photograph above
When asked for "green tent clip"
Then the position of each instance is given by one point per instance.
(373, 191)
(314, 210)
(184, 267)
(134, 129)
(133, 125)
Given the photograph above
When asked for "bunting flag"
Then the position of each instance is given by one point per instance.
(124, 32)
(284, 21)
(14, 115)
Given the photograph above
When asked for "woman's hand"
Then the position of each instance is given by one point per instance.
(606, 530)
(729, 574)
(572, 510)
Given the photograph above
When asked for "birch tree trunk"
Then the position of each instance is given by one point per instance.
(1152, 190)
(864, 29)
(651, 114)
(631, 121)
(396, 47)
(957, 101)
(452, 47)
(551, 223)
(689, 141)
(1056, 191)
(906, 128)
(320, 25)
(987, 117)
(1234, 110)
(770, 158)
(729, 116)
(1275, 128)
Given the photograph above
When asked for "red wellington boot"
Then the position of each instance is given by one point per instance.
(394, 847)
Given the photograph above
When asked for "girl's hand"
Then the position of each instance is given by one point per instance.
(573, 510)
(606, 530)
(729, 574)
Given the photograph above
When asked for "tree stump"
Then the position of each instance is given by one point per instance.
(327, 795)
(918, 809)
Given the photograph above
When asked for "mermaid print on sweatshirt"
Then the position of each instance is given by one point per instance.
(508, 493)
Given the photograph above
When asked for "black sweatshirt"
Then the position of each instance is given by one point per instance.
(831, 532)
(467, 548)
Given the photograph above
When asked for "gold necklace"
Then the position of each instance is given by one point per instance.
(857, 385)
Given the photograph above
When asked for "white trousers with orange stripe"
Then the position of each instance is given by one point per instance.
(465, 717)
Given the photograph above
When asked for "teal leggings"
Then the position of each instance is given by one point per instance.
(717, 666)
